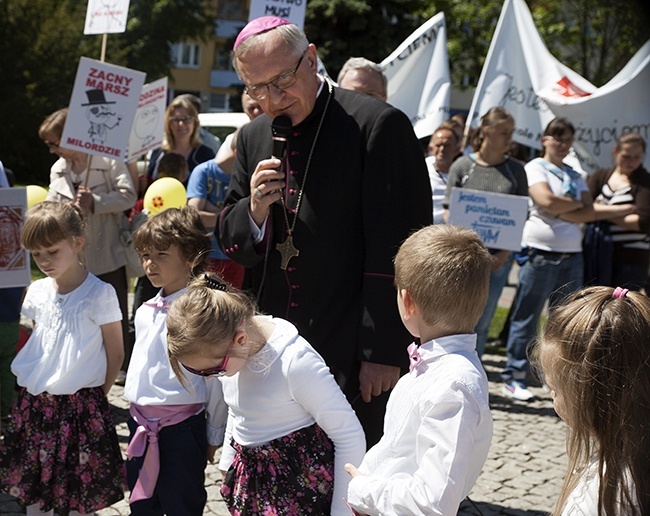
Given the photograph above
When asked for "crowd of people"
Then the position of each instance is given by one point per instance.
(312, 312)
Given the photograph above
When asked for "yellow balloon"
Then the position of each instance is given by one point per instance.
(35, 194)
(164, 193)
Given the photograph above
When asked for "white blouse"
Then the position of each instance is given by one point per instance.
(150, 379)
(284, 387)
(437, 434)
(65, 352)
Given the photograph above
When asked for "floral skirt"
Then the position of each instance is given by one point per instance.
(290, 475)
(62, 452)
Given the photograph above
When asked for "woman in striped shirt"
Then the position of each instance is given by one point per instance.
(627, 182)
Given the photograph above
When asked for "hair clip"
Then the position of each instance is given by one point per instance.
(215, 282)
(619, 293)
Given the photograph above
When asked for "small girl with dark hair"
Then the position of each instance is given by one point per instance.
(170, 439)
(593, 353)
(290, 428)
(60, 450)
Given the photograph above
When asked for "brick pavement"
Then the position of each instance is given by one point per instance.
(521, 477)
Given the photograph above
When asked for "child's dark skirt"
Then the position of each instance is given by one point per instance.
(62, 452)
(291, 475)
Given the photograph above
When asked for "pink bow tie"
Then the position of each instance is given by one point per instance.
(415, 360)
(161, 304)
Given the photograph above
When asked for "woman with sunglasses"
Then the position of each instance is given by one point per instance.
(290, 428)
(182, 137)
(168, 450)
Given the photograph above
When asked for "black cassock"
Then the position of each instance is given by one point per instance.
(367, 189)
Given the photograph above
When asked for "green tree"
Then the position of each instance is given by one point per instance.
(372, 29)
(40, 45)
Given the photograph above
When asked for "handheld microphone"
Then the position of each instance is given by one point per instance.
(280, 129)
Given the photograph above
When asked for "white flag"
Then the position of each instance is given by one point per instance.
(517, 66)
(418, 76)
(620, 106)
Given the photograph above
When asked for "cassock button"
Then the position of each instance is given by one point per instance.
(292, 191)
(236, 246)
(294, 153)
(292, 210)
(292, 172)
(296, 133)
(295, 287)
(291, 269)
(293, 305)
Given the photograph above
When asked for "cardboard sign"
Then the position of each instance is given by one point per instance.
(14, 260)
(149, 124)
(106, 16)
(497, 218)
(102, 107)
(292, 10)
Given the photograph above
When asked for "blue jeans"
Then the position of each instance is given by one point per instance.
(544, 276)
(498, 280)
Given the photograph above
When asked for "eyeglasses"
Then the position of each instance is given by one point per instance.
(282, 82)
(564, 141)
(53, 146)
(217, 371)
(178, 119)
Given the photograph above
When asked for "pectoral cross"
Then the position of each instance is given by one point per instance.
(287, 250)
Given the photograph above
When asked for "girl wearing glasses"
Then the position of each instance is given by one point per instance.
(290, 428)
(168, 450)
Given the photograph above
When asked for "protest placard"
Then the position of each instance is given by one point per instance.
(102, 107)
(292, 10)
(149, 123)
(106, 16)
(497, 218)
(14, 260)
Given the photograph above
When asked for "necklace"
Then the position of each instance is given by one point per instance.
(286, 248)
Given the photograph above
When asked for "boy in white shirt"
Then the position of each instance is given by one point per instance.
(438, 426)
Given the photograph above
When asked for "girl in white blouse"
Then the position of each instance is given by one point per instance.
(593, 353)
(290, 428)
(61, 450)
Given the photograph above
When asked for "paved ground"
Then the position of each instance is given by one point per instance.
(522, 475)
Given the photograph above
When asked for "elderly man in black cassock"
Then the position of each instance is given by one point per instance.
(319, 228)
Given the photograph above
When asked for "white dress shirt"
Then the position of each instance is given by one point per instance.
(150, 379)
(65, 352)
(284, 387)
(437, 433)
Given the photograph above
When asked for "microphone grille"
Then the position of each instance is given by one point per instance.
(281, 126)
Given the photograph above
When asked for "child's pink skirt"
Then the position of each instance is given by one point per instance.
(291, 475)
(62, 452)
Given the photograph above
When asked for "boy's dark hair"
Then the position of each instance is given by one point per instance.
(180, 226)
(173, 165)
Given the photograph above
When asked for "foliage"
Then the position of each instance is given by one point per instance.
(40, 45)
(372, 29)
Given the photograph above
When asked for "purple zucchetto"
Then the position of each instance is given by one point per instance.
(257, 26)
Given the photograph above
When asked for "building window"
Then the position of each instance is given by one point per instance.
(186, 55)
(218, 102)
(231, 9)
(222, 60)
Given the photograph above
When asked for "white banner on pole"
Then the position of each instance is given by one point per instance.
(106, 16)
(292, 10)
(102, 107)
(620, 106)
(149, 124)
(518, 65)
(418, 76)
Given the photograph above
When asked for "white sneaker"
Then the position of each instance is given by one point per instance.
(517, 390)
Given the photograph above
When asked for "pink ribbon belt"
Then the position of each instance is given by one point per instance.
(147, 433)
